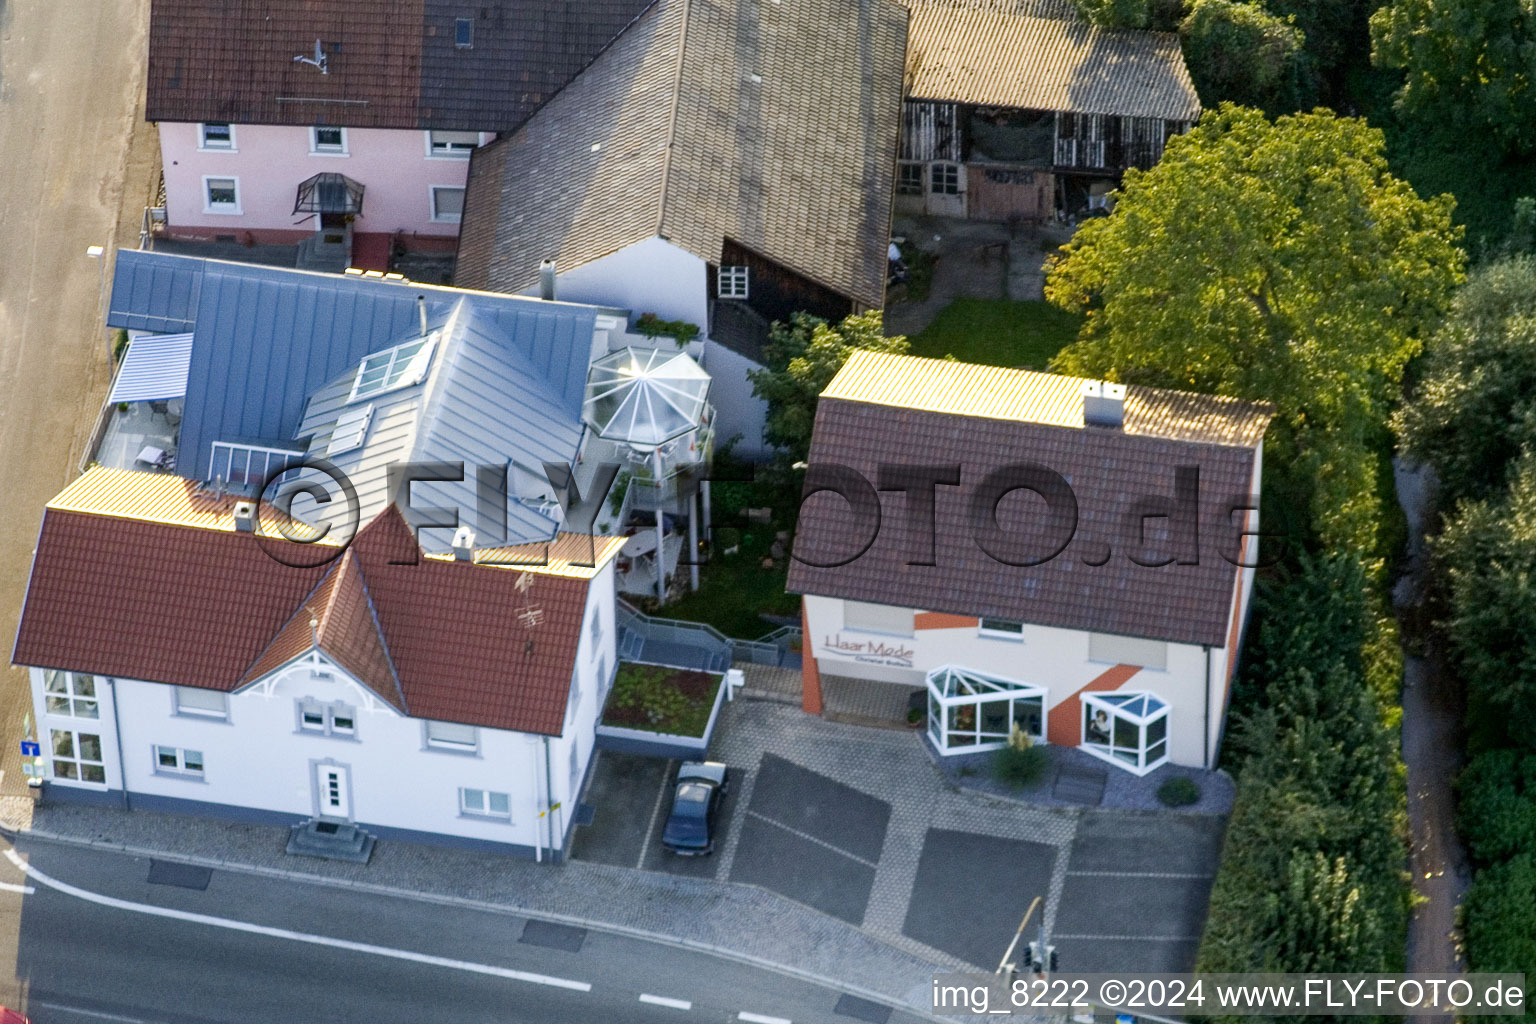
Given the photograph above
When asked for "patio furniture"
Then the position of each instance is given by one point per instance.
(158, 458)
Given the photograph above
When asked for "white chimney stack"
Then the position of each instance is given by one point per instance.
(421, 311)
(464, 544)
(1103, 404)
(245, 517)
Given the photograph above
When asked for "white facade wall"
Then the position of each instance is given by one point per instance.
(1046, 656)
(653, 276)
(259, 759)
(738, 413)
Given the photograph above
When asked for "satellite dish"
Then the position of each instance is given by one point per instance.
(318, 60)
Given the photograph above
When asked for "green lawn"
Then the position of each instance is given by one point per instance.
(997, 332)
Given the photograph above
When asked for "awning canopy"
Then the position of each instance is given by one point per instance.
(154, 368)
(329, 192)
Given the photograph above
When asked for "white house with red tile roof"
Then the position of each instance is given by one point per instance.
(185, 656)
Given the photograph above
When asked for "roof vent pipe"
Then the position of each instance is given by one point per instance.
(547, 280)
(464, 544)
(1103, 404)
(245, 517)
(421, 311)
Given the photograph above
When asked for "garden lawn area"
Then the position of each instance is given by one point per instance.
(732, 593)
(998, 332)
(656, 698)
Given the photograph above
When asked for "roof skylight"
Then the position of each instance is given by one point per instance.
(393, 368)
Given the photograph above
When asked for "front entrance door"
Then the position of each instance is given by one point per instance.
(331, 784)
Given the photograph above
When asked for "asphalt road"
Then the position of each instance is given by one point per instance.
(99, 942)
(71, 72)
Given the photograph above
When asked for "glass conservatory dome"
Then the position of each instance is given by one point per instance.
(645, 397)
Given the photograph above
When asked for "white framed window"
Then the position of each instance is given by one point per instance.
(327, 719)
(482, 803)
(71, 694)
(221, 195)
(909, 179)
(877, 618)
(241, 465)
(1128, 650)
(216, 135)
(731, 282)
(463, 33)
(945, 179)
(970, 711)
(1127, 729)
(178, 761)
(457, 145)
(350, 430)
(325, 140)
(191, 700)
(392, 368)
(1006, 629)
(464, 739)
(77, 755)
(596, 629)
(448, 203)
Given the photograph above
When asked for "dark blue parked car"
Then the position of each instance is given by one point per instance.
(701, 786)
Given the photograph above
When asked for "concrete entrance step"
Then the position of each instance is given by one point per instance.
(330, 840)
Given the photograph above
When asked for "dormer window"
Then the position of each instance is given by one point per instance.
(393, 368)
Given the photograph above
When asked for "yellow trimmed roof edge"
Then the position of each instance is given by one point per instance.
(177, 501)
(1030, 396)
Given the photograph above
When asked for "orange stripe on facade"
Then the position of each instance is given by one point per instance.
(810, 672)
(942, 620)
(1065, 728)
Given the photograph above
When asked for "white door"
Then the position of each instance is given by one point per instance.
(331, 783)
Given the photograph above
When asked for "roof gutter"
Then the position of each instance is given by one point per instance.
(1205, 737)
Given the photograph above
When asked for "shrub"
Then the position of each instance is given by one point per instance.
(1497, 806)
(1179, 791)
(1501, 930)
(653, 327)
(1021, 763)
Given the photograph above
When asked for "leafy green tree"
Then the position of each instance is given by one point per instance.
(1497, 803)
(1501, 930)
(1487, 554)
(1276, 260)
(1470, 64)
(802, 358)
(1115, 13)
(1474, 411)
(1240, 52)
(1321, 919)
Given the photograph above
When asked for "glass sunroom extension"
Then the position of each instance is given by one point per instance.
(1126, 729)
(970, 711)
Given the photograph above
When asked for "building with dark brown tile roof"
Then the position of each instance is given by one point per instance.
(157, 616)
(1052, 534)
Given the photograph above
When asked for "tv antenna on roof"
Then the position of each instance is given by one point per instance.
(318, 60)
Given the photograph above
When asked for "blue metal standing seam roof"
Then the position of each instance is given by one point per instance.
(265, 338)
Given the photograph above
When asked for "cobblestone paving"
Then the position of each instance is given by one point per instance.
(865, 702)
(892, 766)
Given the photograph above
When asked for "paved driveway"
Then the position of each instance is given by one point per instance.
(858, 824)
(1136, 891)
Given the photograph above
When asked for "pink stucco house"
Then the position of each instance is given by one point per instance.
(349, 121)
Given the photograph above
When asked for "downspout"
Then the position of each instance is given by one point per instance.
(117, 734)
(1206, 738)
(549, 801)
(538, 840)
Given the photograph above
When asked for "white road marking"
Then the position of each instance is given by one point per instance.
(812, 839)
(86, 1013)
(293, 936)
(757, 1018)
(676, 1004)
(651, 827)
(25, 890)
(1137, 874)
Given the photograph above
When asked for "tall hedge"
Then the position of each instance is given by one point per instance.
(1313, 873)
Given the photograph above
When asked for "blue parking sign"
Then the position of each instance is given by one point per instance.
(29, 748)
